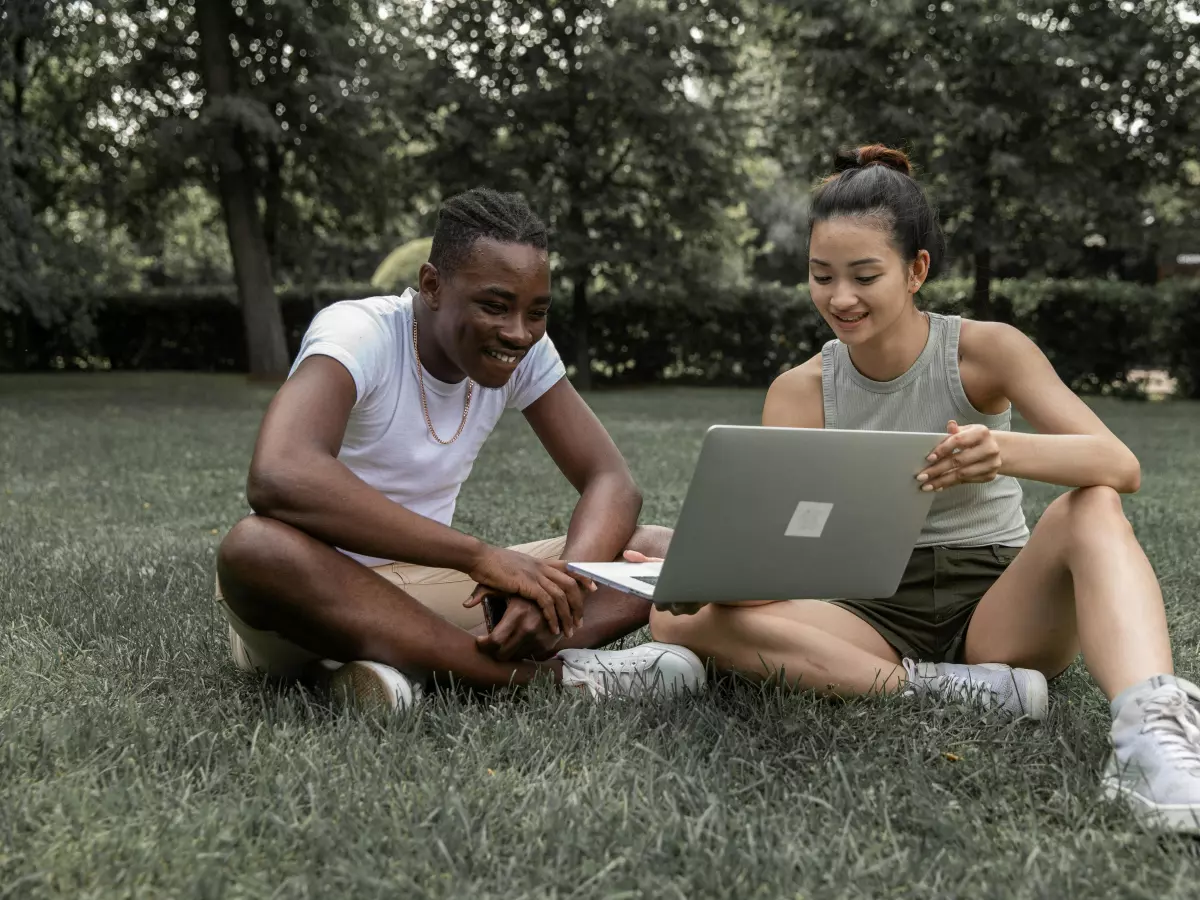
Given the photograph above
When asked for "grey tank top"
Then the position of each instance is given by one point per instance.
(925, 398)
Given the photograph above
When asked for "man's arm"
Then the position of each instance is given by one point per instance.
(296, 478)
(609, 501)
(601, 526)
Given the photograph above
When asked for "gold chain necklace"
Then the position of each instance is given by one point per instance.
(425, 404)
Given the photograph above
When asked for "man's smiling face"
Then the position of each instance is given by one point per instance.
(491, 310)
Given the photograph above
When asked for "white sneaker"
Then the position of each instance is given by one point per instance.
(655, 668)
(362, 683)
(1154, 767)
(371, 685)
(1019, 692)
(237, 649)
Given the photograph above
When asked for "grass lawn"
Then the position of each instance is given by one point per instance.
(136, 761)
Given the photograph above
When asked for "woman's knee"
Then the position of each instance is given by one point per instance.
(666, 627)
(685, 630)
(1099, 500)
(1087, 510)
(713, 627)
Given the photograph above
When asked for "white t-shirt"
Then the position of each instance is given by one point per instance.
(387, 443)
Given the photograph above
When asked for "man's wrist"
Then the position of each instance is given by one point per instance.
(476, 551)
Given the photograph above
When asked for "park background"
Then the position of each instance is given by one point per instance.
(183, 184)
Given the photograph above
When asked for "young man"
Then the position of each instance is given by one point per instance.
(350, 558)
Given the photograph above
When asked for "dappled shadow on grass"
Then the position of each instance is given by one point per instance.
(134, 758)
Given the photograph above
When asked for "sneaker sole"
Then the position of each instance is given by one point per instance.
(358, 684)
(1176, 817)
(1037, 691)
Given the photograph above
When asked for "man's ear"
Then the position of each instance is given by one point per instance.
(429, 282)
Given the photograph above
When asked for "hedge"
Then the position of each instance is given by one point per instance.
(184, 328)
(1093, 331)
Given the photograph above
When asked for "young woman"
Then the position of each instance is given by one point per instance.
(985, 608)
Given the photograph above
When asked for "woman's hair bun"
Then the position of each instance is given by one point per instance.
(870, 154)
(875, 180)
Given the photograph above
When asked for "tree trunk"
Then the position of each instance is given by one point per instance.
(581, 274)
(22, 222)
(583, 343)
(272, 207)
(981, 297)
(576, 224)
(261, 315)
(20, 165)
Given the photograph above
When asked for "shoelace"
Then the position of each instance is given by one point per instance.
(967, 689)
(625, 672)
(958, 687)
(1176, 723)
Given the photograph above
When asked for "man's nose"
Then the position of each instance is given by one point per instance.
(515, 331)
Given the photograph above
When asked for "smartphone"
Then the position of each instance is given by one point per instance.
(494, 606)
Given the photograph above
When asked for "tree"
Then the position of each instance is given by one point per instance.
(23, 24)
(238, 189)
(53, 248)
(1031, 119)
(618, 120)
(295, 114)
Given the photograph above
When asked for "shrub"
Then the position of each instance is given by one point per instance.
(1180, 332)
(401, 267)
(182, 328)
(1094, 332)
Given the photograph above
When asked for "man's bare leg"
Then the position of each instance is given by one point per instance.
(277, 578)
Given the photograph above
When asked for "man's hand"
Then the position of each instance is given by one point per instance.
(969, 454)
(522, 633)
(545, 582)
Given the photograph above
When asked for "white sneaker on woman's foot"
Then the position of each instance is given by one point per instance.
(371, 685)
(654, 668)
(1019, 692)
(1154, 767)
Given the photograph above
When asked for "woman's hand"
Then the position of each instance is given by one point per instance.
(969, 454)
(675, 609)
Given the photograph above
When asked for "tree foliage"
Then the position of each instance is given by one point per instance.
(670, 144)
(618, 120)
(58, 237)
(1037, 123)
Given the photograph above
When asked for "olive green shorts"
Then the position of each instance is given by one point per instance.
(927, 618)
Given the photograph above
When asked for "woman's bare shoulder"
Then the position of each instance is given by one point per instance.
(796, 397)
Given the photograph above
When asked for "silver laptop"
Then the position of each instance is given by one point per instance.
(789, 513)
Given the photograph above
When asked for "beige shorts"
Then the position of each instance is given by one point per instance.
(441, 590)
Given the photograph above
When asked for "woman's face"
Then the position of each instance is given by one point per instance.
(857, 279)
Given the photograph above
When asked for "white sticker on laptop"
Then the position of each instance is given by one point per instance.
(809, 519)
